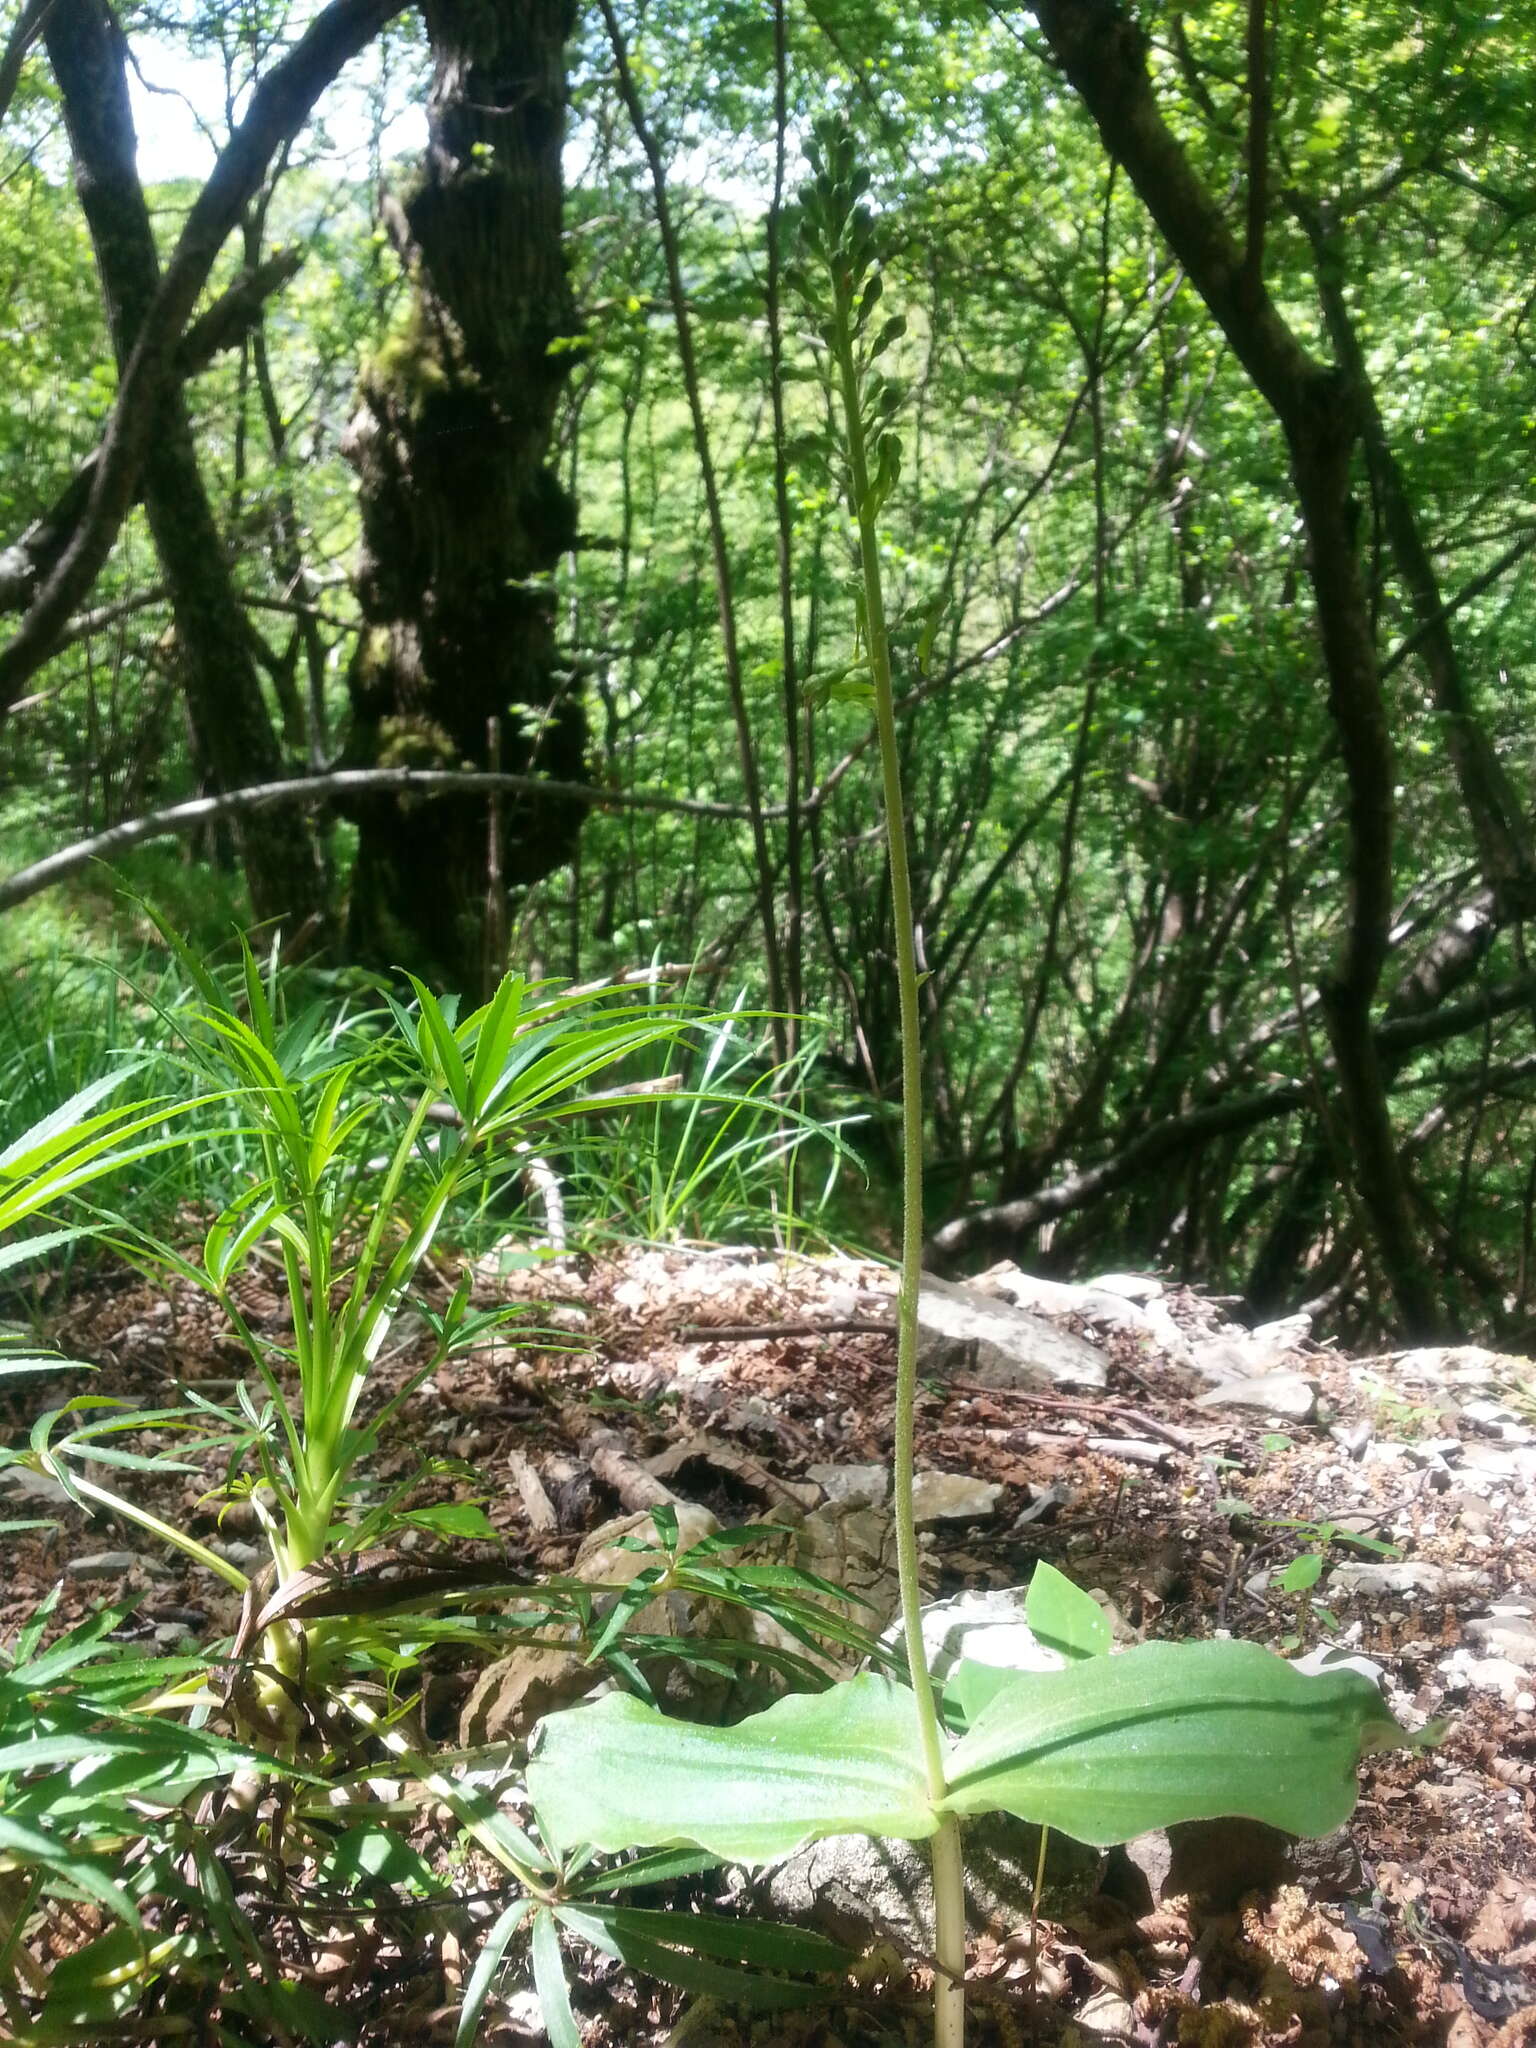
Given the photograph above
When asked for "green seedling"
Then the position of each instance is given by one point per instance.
(1301, 1575)
(1106, 1748)
(1406, 1420)
(1305, 1572)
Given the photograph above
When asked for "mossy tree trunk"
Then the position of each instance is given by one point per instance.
(462, 519)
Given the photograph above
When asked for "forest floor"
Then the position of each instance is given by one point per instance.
(746, 1384)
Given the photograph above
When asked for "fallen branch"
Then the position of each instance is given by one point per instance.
(998, 1227)
(615, 1464)
(1181, 1439)
(1129, 1450)
(543, 1522)
(749, 1333)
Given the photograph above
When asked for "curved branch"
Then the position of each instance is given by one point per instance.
(28, 27)
(280, 105)
(998, 1228)
(1004, 1223)
(315, 789)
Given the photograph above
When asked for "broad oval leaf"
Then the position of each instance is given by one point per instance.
(1112, 1747)
(1064, 1616)
(619, 1775)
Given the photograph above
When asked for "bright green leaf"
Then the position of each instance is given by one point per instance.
(1064, 1616)
(620, 1775)
(1108, 1749)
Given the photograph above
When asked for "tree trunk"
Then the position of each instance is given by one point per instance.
(234, 733)
(462, 519)
(1320, 410)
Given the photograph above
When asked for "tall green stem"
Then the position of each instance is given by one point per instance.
(948, 1871)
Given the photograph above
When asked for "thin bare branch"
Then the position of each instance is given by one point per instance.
(317, 789)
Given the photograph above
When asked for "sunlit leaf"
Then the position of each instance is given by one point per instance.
(621, 1775)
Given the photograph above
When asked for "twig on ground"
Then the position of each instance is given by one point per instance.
(1181, 1439)
(748, 1333)
(542, 1519)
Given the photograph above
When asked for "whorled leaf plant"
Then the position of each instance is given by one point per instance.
(371, 1133)
(1106, 1747)
(375, 1133)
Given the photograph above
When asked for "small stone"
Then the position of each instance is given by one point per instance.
(1382, 1452)
(984, 1627)
(1333, 1657)
(848, 1884)
(1285, 1333)
(1493, 1461)
(1508, 1632)
(28, 1485)
(1353, 1437)
(1235, 1354)
(1469, 1509)
(1133, 1286)
(1463, 1671)
(953, 1497)
(242, 1554)
(1045, 1503)
(1060, 1297)
(104, 1564)
(1285, 1394)
(1405, 1578)
(852, 1482)
(1495, 1416)
(964, 1331)
(1221, 1862)
(1454, 1365)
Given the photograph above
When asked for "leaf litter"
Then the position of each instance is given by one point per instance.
(756, 1387)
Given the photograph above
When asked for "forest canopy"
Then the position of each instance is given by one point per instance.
(453, 412)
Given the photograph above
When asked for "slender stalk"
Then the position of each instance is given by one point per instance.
(231, 1574)
(948, 1871)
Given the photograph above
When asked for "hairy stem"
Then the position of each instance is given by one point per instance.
(948, 1873)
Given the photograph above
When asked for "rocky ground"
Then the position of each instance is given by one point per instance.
(1167, 1459)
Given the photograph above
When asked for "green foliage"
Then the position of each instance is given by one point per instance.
(1172, 1731)
(621, 1775)
(1104, 1750)
(364, 1129)
(726, 1157)
(1063, 1616)
(350, 1235)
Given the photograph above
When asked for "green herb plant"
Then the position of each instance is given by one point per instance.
(726, 1157)
(51, 1165)
(367, 1137)
(1301, 1575)
(1104, 1749)
(134, 1782)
